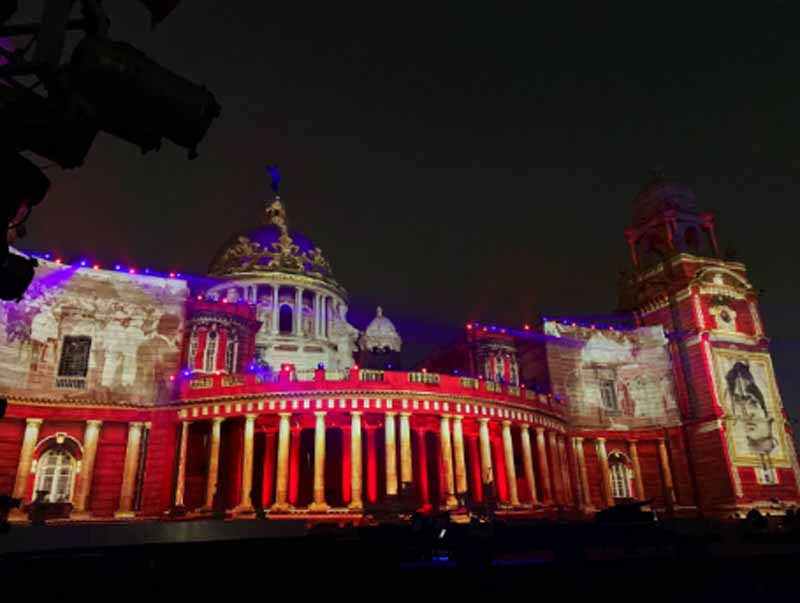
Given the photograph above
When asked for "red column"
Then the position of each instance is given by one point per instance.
(201, 349)
(222, 345)
(372, 467)
(268, 483)
(500, 479)
(294, 466)
(476, 490)
(422, 472)
(346, 466)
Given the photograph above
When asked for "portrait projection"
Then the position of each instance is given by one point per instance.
(749, 396)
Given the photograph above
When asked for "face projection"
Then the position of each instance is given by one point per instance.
(750, 408)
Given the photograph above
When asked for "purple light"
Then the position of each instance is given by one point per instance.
(47, 256)
(178, 275)
(186, 373)
(83, 263)
(147, 270)
(117, 267)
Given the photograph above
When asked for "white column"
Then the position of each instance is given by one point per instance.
(317, 333)
(29, 441)
(458, 451)
(487, 476)
(511, 472)
(213, 463)
(245, 505)
(91, 437)
(129, 469)
(180, 484)
(527, 459)
(391, 455)
(356, 503)
(282, 481)
(319, 504)
(447, 462)
(298, 311)
(275, 312)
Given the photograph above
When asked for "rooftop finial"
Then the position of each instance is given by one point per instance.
(275, 176)
(379, 311)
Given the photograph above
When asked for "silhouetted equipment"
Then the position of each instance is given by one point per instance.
(60, 128)
(6, 504)
(107, 85)
(137, 99)
(3, 407)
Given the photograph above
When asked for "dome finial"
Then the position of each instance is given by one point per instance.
(379, 311)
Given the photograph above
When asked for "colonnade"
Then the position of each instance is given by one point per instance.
(476, 457)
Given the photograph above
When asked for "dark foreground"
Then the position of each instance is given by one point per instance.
(573, 562)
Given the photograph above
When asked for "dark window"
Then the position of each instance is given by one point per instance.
(285, 320)
(74, 356)
(608, 393)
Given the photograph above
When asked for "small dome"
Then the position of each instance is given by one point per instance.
(661, 195)
(271, 248)
(381, 334)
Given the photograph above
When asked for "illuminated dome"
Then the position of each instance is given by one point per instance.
(660, 195)
(271, 248)
(381, 334)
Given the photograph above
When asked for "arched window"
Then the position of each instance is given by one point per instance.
(210, 362)
(231, 354)
(190, 359)
(285, 320)
(56, 474)
(620, 480)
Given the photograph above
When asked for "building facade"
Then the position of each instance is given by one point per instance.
(140, 396)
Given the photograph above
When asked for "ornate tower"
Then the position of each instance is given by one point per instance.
(737, 439)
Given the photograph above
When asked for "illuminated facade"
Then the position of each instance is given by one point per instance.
(140, 396)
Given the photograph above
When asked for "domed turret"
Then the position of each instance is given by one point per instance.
(381, 334)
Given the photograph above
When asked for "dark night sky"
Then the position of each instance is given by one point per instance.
(460, 163)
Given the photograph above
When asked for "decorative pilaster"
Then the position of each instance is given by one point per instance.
(212, 479)
(638, 485)
(511, 472)
(91, 436)
(319, 504)
(544, 470)
(245, 506)
(447, 462)
(29, 441)
(129, 470)
(458, 450)
(605, 474)
(282, 481)
(391, 454)
(527, 459)
(356, 503)
(180, 482)
(666, 472)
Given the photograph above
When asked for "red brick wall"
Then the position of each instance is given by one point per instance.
(11, 434)
(159, 466)
(104, 496)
